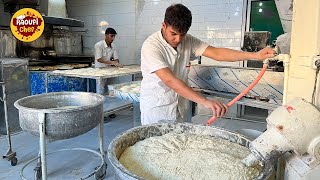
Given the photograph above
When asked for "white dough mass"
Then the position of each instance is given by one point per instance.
(131, 89)
(125, 89)
(187, 156)
(133, 85)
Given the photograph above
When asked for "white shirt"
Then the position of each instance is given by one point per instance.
(158, 101)
(103, 51)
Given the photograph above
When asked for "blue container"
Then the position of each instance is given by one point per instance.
(55, 83)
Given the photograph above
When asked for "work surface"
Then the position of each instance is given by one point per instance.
(99, 73)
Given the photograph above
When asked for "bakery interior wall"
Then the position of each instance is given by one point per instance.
(218, 22)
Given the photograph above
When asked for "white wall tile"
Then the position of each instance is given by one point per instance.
(217, 22)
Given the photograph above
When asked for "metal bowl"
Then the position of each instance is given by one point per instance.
(67, 114)
(131, 136)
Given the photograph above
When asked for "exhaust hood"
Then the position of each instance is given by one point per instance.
(53, 12)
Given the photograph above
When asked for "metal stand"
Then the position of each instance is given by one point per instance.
(136, 114)
(10, 155)
(100, 171)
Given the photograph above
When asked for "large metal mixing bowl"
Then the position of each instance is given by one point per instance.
(67, 114)
(131, 136)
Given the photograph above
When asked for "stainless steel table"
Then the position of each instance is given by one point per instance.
(100, 75)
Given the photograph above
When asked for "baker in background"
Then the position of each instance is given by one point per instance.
(165, 57)
(105, 51)
(105, 56)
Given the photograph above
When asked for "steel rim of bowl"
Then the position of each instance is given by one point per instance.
(80, 108)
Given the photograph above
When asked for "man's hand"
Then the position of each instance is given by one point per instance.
(218, 108)
(116, 64)
(265, 53)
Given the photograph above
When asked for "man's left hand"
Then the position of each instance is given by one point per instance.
(265, 53)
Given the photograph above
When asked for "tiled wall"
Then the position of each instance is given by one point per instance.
(100, 14)
(217, 22)
(57, 8)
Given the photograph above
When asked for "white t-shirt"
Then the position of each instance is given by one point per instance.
(158, 101)
(103, 51)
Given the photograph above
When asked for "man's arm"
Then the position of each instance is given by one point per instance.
(115, 62)
(100, 58)
(168, 78)
(224, 54)
(115, 56)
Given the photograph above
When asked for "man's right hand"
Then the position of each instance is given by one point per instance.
(265, 53)
(116, 64)
(218, 108)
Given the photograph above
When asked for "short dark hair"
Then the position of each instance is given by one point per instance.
(179, 17)
(110, 31)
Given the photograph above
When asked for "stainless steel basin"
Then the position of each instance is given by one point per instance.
(134, 135)
(67, 114)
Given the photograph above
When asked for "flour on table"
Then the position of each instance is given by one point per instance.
(187, 156)
(98, 72)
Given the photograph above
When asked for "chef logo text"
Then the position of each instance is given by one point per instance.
(27, 24)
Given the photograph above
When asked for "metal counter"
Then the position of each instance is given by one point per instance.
(95, 73)
(99, 74)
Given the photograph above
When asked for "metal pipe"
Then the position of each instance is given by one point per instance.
(1, 75)
(46, 81)
(6, 116)
(101, 127)
(285, 60)
(100, 84)
(101, 171)
(42, 126)
(9, 154)
(88, 84)
(317, 92)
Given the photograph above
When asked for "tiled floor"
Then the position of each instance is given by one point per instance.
(75, 164)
